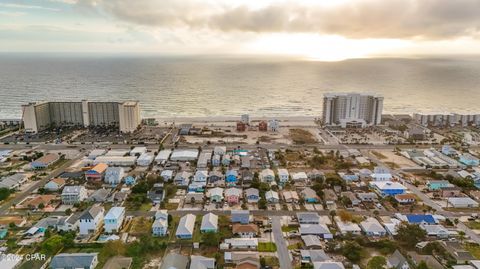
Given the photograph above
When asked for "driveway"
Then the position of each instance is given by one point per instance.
(282, 250)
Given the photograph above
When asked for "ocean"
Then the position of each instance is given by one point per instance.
(191, 86)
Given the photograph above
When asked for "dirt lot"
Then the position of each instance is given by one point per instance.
(391, 157)
(302, 136)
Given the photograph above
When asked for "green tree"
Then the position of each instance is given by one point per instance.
(377, 262)
(422, 265)
(52, 245)
(410, 234)
(4, 193)
(352, 251)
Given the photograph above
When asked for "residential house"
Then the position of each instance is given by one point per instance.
(68, 223)
(312, 241)
(290, 196)
(405, 198)
(346, 227)
(315, 175)
(220, 150)
(245, 161)
(231, 177)
(185, 227)
(240, 216)
(145, 159)
(469, 159)
(232, 195)
(14, 181)
(160, 224)
(174, 261)
(114, 219)
(194, 197)
(367, 197)
(216, 160)
(138, 151)
(381, 174)
(329, 196)
(397, 261)
(196, 187)
(96, 173)
(130, 181)
(114, 175)
(436, 230)
(247, 177)
(54, 184)
(457, 251)
(91, 220)
(309, 195)
(74, 260)
(299, 177)
(215, 195)
(371, 227)
(351, 197)
(201, 176)
(435, 185)
(313, 255)
(272, 197)
(200, 262)
(242, 243)
(245, 230)
(204, 159)
(283, 176)
(267, 175)
(209, 223)
(431, 262)
(226, 159)
(215, 176)
(167, 175)
(308, 218)
(316, 229)
(99, 196)
(252, 195)
(73, 194)
(387, 188)
(348, 176)
(155, 194)
(45, 161)
(183, 178)
(462, 202)
(163, 156)
(421, 219)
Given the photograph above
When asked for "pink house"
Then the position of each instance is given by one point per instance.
(232, 195)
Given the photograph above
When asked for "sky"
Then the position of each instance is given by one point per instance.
(325, 30)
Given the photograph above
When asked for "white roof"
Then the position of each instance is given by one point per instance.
(345, 227)
(233, 191)
(462, 201)
(387, 185)
(215, 192)
(184, 154)
(117, 152)
(372, 225)
(140, 150)
(314, 229)
(209, 222)
(186, 225)
(283, 172)
(271, 195)
(115, 212)
(299, 176)
(163, 155)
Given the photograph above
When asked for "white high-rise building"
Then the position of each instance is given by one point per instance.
(352, 109)
(40, 116)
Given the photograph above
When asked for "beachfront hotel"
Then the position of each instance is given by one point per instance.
(41, 116)
(352, 110)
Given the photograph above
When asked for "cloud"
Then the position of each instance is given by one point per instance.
(23, 6)
(404, 19)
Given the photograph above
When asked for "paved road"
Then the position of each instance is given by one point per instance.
(282, 250)
(22, 195)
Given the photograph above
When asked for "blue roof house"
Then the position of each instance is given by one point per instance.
(435, 185)
(240, 216)
(231, 176)
(130, 181)
(420, 219)
(387, 188)
(468, 159)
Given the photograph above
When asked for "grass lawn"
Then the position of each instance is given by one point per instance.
(287, 229)
(271, 261)
(197, 236)
(474, 249)
(169, 206)
(473, 225)
(267, 247)
(140, 225)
